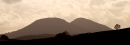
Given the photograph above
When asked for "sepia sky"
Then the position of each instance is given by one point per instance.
(16, 14)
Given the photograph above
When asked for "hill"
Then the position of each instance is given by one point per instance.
(46, 26)
(91, 26)
(57, 25)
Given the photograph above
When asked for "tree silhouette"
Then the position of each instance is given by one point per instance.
(88, 33)
(63, 35)
(117, 26)
(4, 37)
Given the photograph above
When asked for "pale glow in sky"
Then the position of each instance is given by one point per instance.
(16, 14)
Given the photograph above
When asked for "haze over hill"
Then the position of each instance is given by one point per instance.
(57, 25)
(28, 37)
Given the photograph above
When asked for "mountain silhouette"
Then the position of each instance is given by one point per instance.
(91, 26)
(47, 26)
(57, 25)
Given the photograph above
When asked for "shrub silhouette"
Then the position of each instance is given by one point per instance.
(89, 33)
(64, 34)
(4, 37)
(117, 26)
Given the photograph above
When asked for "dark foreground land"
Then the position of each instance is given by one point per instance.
(107, 37)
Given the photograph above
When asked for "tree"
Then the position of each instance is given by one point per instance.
(65, 32)
(88, 32)
(117, 26)
(63, 35)
(4, 37)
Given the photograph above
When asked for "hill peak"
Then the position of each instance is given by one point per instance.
(90, 25)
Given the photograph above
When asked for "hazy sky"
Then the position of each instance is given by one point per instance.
(16, 14)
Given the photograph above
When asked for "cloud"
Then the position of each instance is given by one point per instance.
(116, 12)
(121, 4)
(97, 2)
(101, 11)
(11, 1)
